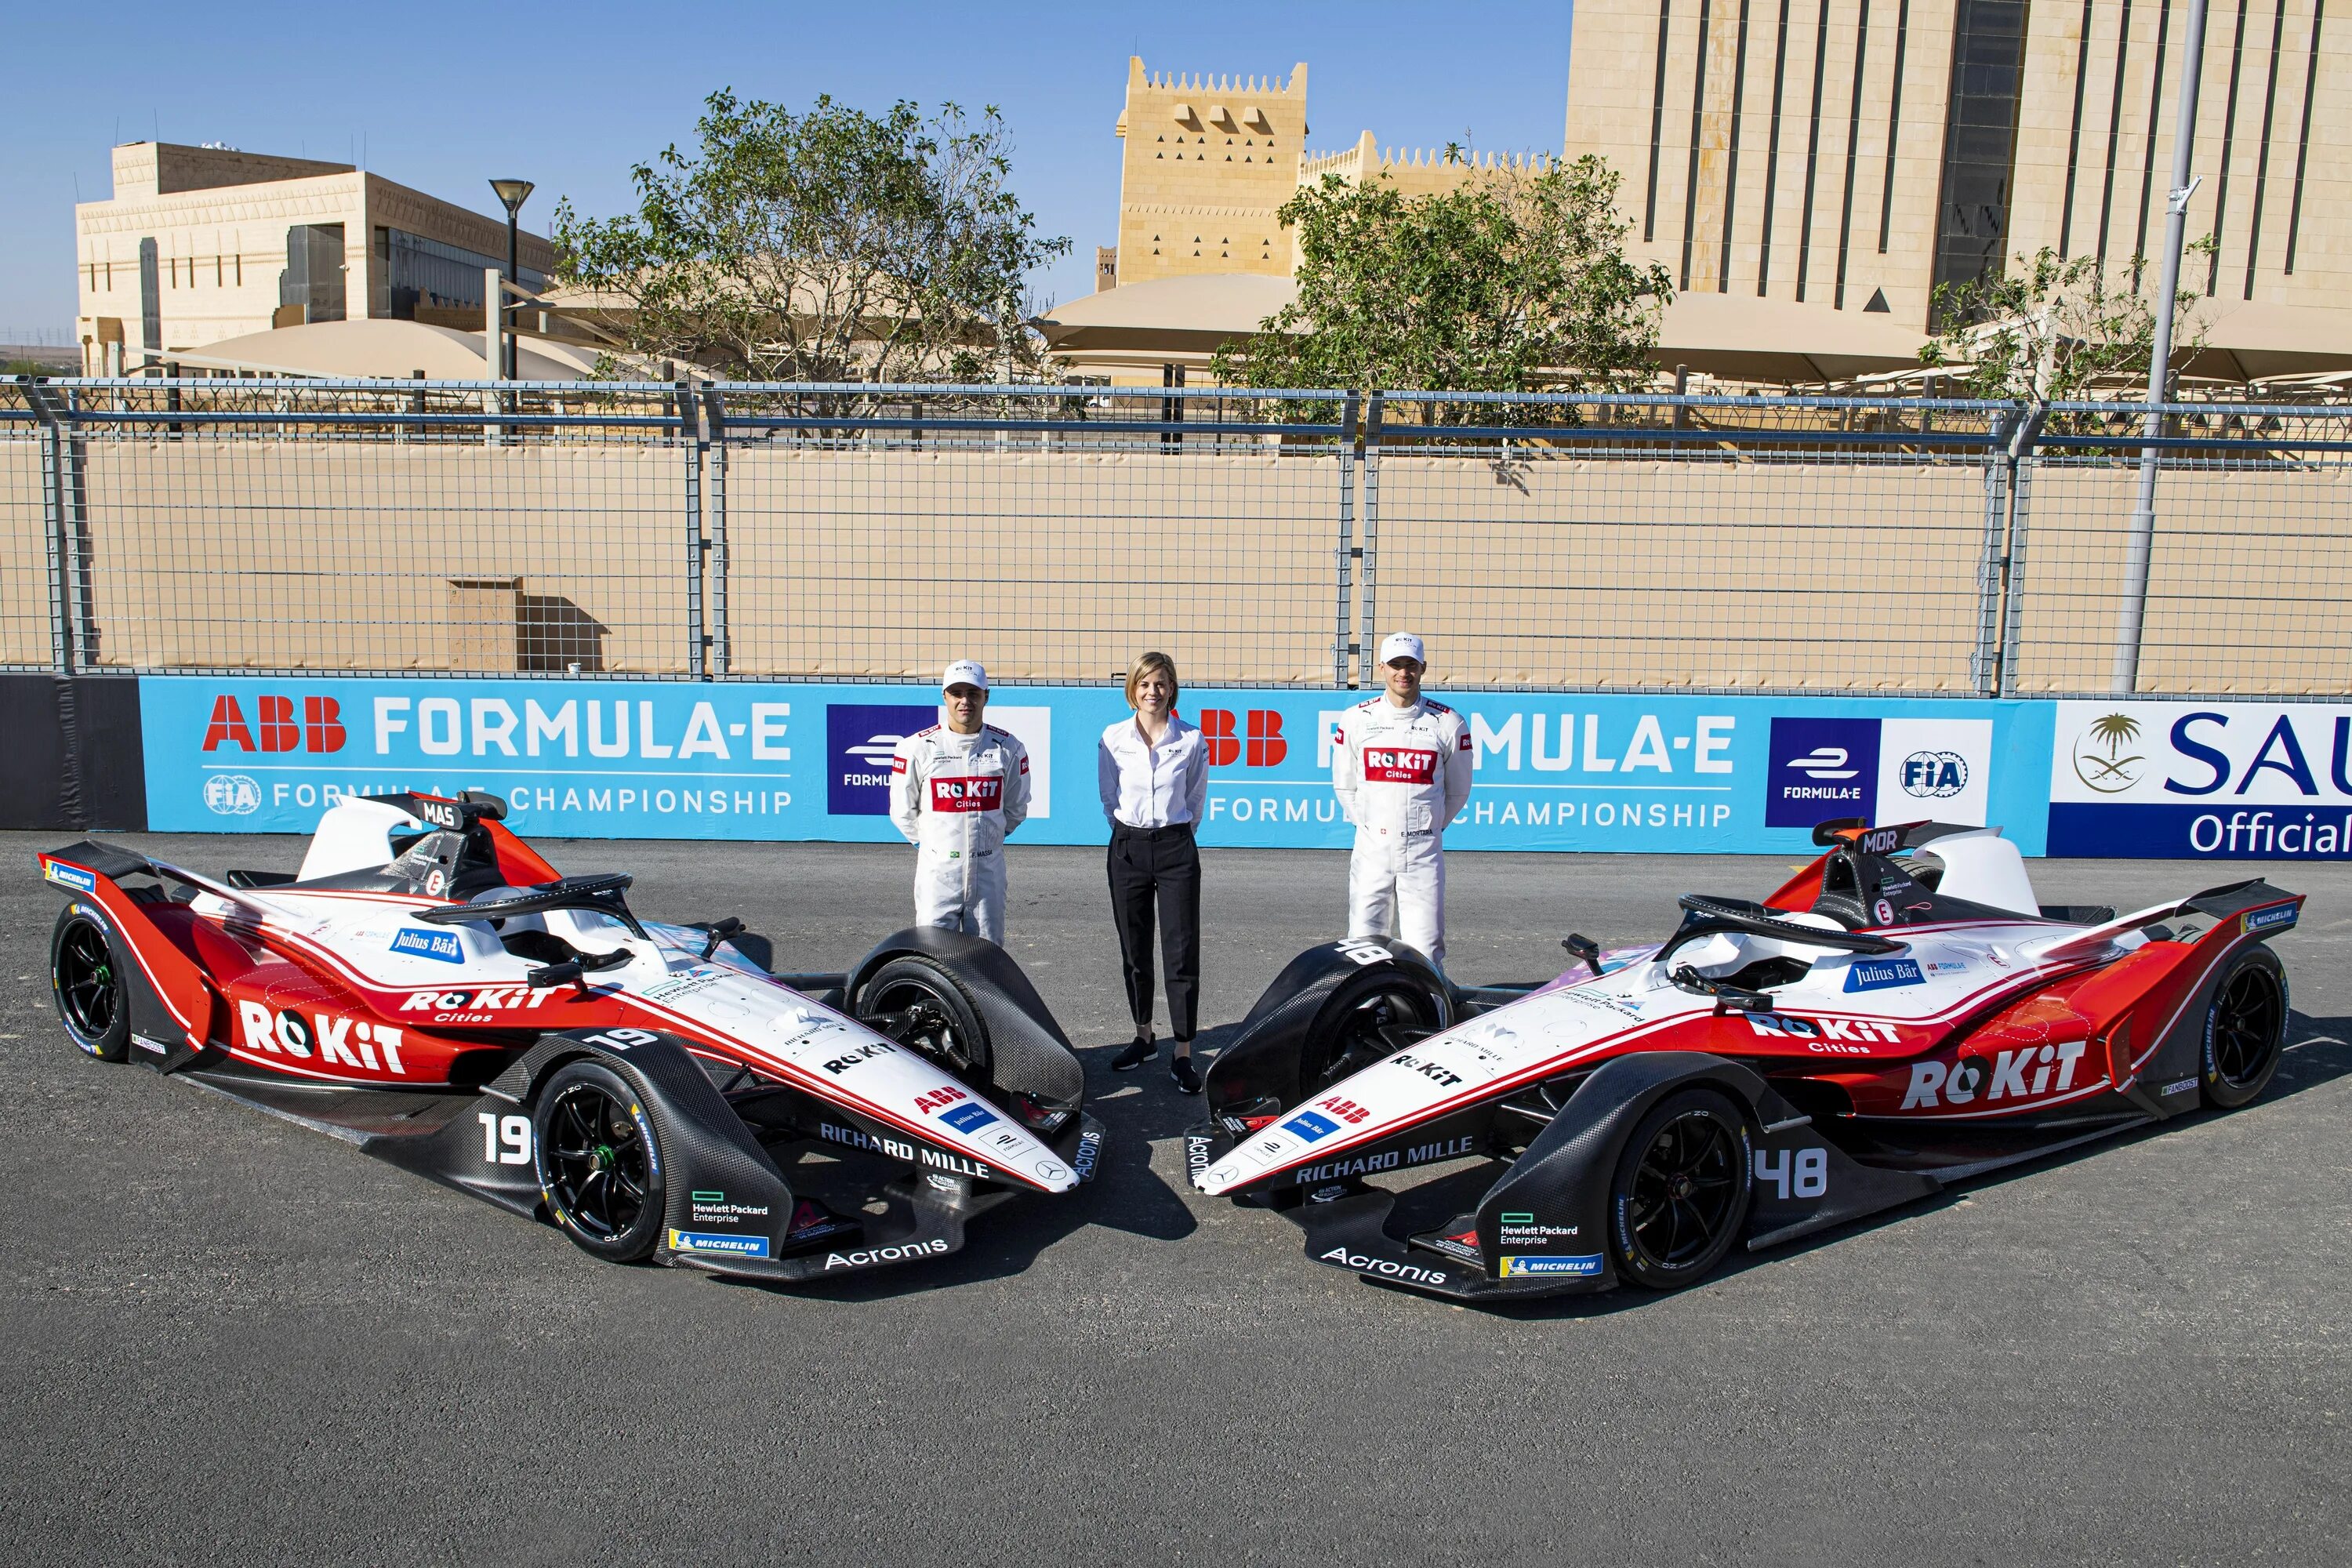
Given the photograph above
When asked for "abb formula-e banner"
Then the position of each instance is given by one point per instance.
(1647, 773)
(2208, 781)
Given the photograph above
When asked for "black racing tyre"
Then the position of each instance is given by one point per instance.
(85, 973)
(599, 1162)
(1372, 1014)
(1680, 1196)
(2245, 1029)
(945, 1026)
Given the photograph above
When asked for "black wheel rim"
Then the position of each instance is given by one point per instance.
(930, 1027)
(597, 1168)
(87, 987)
(1684, 1190)
(2249, 1021)
(1385, 1023)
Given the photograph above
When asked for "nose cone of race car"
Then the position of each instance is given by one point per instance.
(1351, 1128)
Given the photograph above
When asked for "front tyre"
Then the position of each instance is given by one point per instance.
(2245, 1029)
(1681, 1193)
(919, 1002)
(84, 972)
(1373, 1014)
(599, 1159)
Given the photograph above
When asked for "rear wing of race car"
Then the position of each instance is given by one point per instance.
(2264, 911)
(170, 998)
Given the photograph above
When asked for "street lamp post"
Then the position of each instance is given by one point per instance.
(513, 192)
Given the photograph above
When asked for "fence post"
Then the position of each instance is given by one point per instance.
(1984, 672)
(722, 651)
(690, 440)
(1369, 641)
(53, 524)
(2017, 459)
(1343, 557)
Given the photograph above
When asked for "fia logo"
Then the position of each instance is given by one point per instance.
(232, 794)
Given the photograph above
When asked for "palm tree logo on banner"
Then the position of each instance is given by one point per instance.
(2100, 754)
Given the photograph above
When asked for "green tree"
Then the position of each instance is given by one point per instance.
(2056, 329)
(830, 246)
(1511, 282)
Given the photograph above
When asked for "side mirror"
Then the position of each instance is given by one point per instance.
(569, 972)
(1584, 949)
(717, 931)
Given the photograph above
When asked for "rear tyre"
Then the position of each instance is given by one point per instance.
(599, 1159)
(2245, 1029)
(85, 974)
(930, 1013)
(1373, 1014)
(1681, 1193)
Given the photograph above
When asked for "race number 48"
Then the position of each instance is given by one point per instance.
(506, 1140)
(1807, 1176)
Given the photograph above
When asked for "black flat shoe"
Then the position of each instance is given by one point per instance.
(1180, 1069)
(1139, 1051)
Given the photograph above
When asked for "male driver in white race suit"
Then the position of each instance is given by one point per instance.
(955, 790)
(1401, 764)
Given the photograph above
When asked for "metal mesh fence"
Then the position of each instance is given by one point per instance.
(1934, 547)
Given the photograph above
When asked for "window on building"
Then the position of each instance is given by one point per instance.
(1979, 140)
(313, 279)
(428, 274)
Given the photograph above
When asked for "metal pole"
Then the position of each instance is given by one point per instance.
(689, 434)
(514, 275)
(1344, 556)
(2124, 680)
(1370, 640)
(722, 642)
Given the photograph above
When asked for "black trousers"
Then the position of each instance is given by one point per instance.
(1160, 864)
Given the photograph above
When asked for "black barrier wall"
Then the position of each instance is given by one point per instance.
(73, 756)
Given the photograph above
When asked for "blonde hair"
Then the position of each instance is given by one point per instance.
(1145, 663)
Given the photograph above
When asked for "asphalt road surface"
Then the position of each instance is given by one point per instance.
(230, 1340)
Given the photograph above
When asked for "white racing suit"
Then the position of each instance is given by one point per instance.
(1402, 774)
(956, 797)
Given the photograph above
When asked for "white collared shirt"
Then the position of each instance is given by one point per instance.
(1144, 785)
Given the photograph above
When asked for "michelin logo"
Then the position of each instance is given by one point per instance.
(707, 1241)
(73, 877)
(1585, 1266)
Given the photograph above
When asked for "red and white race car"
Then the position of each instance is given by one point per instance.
(1902, 1013)
(427, 987)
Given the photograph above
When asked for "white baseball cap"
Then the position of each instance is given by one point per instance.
(965, 672)
(1403, 644)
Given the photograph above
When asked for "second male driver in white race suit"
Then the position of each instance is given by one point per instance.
(955, 790)
(1401, 764)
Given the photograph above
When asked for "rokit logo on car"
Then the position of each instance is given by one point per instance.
(1935, 1085)
(482, 1006)
(330, 1037)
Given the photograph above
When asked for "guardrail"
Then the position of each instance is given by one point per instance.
(852, 532)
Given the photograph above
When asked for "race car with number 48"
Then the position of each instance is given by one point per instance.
(427, 987)
(1900, 1014)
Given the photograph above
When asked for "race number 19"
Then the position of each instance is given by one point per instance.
(506, 1140)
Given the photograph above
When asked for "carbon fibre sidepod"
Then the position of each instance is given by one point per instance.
(1032, 1055)
(1257, 1072)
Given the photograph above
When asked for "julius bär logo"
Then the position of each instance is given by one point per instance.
(274, 726)
(1262, 729)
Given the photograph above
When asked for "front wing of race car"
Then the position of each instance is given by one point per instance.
(1542, 1228)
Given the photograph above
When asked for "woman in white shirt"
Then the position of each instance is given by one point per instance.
(1154, 776)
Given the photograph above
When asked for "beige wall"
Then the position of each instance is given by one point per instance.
(1613, 92)
(1830, 576)
(222, 240)
(1207, 161)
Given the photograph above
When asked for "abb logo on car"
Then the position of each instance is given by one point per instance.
(1399, 764)
(982, 793)
(1262, 729)
(273, 728)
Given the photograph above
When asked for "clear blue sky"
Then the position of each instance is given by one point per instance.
(588, 89)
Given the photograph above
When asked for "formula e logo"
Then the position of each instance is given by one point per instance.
(440, 945)
(232, 794)
(1262, 729)
(1935, 776)
(1819, 768)
(273, 728)
(860, 738)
